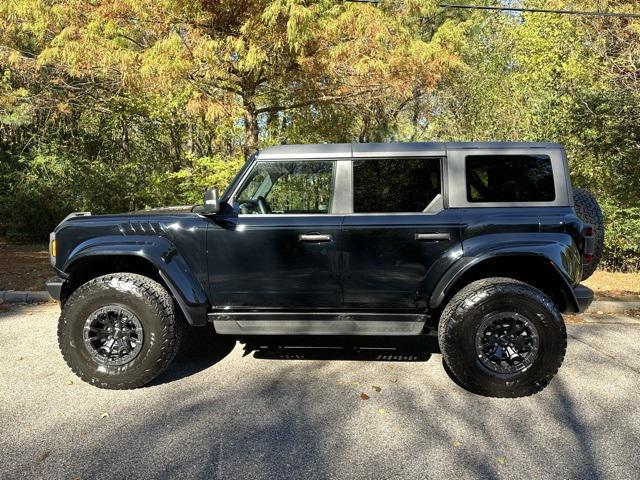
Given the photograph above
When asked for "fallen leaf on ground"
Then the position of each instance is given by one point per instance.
(376, 388)
(573, 319)
(501, 460)
(364, 396)
(69, 382)
(105, 415)
(382, 411)
(456, 444)
(393, 379)
(357, 384)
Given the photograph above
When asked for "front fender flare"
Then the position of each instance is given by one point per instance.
(160, 252)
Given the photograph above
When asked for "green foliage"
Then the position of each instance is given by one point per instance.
(38, 194)
(185, 186)
(622, 238)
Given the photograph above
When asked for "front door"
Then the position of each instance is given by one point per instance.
(397, 235)
(279, 247)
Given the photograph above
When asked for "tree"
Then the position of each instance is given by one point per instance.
(250, 60)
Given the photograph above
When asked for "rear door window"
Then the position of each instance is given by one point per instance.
(509, 178)
(394, 185)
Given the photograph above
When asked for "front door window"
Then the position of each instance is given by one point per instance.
(300, 187)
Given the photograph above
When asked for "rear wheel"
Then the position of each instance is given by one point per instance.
(119, 331)
(502, 338)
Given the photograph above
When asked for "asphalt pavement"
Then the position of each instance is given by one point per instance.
(301, 414)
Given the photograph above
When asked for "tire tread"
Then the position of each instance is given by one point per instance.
(587, 208)
(454, 314)
(157, 298)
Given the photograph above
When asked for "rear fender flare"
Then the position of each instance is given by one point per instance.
(562, 257)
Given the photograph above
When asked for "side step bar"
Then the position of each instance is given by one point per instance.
(317, 323)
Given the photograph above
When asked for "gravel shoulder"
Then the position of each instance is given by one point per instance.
(225, 415)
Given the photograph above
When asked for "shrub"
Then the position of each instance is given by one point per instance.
(622, 238)
(47, 187)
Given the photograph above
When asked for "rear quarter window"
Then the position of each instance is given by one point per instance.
(509, 178)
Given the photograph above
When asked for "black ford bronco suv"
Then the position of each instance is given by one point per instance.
(483, 243)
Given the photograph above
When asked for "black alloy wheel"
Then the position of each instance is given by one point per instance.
(113, 335)
(507, 342)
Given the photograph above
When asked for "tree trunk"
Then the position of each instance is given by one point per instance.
(250, 120)
(250, 128)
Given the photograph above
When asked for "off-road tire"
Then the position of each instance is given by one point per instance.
(154, 308)
(462, 318)
(587, 208)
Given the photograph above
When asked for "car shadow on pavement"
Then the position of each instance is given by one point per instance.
(201, 348)
(384, 349)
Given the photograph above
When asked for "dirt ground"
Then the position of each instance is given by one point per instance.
(23, 266)
(26, 267)
(607, 284)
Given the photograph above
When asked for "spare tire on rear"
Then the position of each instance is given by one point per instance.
(588, 210)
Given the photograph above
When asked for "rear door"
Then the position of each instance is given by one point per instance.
(398, 234)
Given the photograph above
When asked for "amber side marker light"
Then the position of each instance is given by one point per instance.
(52, 247)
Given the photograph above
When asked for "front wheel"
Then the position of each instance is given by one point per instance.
(502, 338)
(119, 331)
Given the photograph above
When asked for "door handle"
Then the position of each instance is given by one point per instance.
(433, 237)
(314, 237)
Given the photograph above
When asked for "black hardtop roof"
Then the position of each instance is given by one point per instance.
(397, 149)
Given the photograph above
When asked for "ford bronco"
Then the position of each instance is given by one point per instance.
(484, 243)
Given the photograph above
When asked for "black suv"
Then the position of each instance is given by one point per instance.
(485, 243)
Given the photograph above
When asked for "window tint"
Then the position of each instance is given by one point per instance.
(509, 178)
(287, 187)
(395, 185)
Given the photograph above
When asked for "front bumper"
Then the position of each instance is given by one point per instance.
(584, 297)
(54, 287)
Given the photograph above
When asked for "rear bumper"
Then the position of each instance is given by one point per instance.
(54, 287)
(584, 297)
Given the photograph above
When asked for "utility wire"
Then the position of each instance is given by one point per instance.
(538, 10)
(522, 9)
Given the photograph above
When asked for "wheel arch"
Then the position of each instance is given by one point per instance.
(536, 270)
(158, 260)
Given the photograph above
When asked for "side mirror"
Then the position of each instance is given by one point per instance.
(211, 201)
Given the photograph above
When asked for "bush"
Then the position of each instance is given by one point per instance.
(37, 198)
(622, 238)
(46, 188)
(187, 185)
